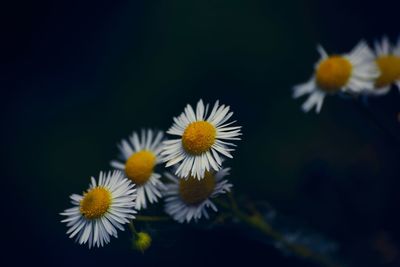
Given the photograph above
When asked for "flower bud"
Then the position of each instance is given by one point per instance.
(142, 241)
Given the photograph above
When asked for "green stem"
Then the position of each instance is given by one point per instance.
(257, 222)
(142, 218)
(133, 229)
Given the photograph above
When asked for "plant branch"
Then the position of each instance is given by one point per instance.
(257, 222)
(143, 218)
(133, 229)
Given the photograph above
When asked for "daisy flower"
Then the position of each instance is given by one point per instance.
(202, 140)
(388, 61)
(106, 205)
(140, 155)
(351, 73)
(187, 199)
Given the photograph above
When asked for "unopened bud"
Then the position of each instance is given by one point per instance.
(142, 241)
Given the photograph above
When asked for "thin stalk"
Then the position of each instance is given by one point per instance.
(142, 218)
(133, 229)
(257, 222)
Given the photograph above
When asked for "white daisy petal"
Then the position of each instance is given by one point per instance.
(117, 165)
(200, 111)
(322, 52)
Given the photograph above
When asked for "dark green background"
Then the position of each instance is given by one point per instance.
(81, 76)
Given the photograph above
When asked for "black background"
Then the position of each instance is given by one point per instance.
(77, 76)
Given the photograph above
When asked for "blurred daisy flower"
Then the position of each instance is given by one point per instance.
(107, 205)
(351, 73)
(187, 199)
(140, 156)
(203, 139)
(388, 61)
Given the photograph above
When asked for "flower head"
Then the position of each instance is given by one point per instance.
(106, 205)
(352, 73)
(188, 199)
(388, 62)
(140, 155)
(204, 138)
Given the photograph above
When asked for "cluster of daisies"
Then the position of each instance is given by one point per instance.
(360, 72)
(203, 138)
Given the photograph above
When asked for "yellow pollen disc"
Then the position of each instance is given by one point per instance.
(198, 137)
(194, 191)
(333, 73)
(140, 166)
(389, 67)
(95, 203)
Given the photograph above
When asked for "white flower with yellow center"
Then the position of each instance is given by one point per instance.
(388, 61)
(204, 138)
(351, 73)
(187, 199)
(105, 206)
(139, 159)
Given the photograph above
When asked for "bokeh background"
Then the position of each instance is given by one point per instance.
(81, 75)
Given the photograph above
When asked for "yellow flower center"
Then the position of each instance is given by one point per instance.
(95, 203)
(333, 73)
(198, 137)
(389, 67)
(194, 191)
(140, 166)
